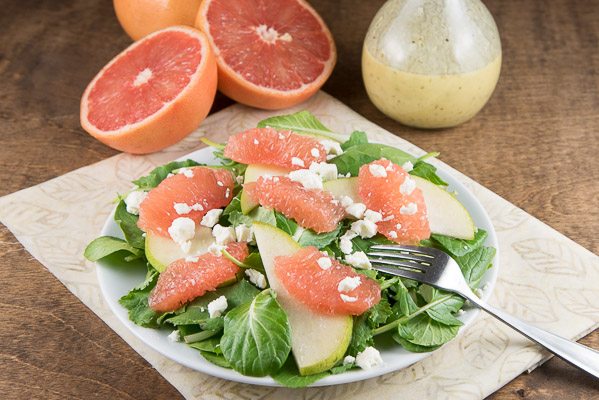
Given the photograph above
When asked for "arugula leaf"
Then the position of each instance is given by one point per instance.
(404, 303)
(128, 224)
(106, 245)
(285, 224)
(358, 155)
(459, 247)
(226, 163)
(319, 240)
(233, 206)
(136, 301)
(303, 122)
(443, 311)
(361, 335)
(428, 172)
(257, 338)
(475, 264)
(364, 245)
(290, 377)
(254, 260)
(414, 348)
(422, 330)
(159, 174)
(215, 359)
(356, 138)
(379, 313)
(260, 214)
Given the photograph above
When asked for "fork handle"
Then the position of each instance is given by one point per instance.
(576, 354)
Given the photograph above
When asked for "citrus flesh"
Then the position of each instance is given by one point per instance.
(278, 148)
(404, 214)
(318, 288)
(310, 208)
(203, 187)
(271, 54)
(187, 278)
(153, 94)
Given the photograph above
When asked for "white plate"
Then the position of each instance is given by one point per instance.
(116, 281)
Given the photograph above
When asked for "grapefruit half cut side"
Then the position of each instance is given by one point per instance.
(153, 94)
(271, 54)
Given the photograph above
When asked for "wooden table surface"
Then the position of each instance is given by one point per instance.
(536, 144)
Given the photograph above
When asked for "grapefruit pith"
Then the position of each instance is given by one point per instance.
(152, 94)
(319, 288)
(271, 147)
(188, 278)
(271, 54)
(386, 187)
(200, 189)
(311, 208)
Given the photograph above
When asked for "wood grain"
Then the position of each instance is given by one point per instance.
(536, 144)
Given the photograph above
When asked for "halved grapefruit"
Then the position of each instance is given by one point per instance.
(188, 278)
(153, 94)
(271, 54)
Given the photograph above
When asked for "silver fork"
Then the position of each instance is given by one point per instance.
(436, 268)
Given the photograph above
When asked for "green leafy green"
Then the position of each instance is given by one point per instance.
(285, 224)
(356, 138)
(422, 330)
(106, 245)
(303, 122)
(414, 348)
(360, 244)
(128, 224)
(159, 174)
(475, 264)
(319, 240)
(442, 311)
(459, 247)
(361, 335)
(260, 214)
(358, 155)
(254, 261)
(213, 324)
(290, 377)
(428, 172)
(211, 344)
(257, 338)
(136, 302)
(379, 313)
(216, 359)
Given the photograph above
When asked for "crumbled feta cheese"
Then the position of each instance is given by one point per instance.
(389, 217)
(331, 147)
(219, 183)
(348, 299)
(346, 201)
(256, 141)
(408, 166)
(324, 263)
(365, 228)
(256, 277)
(369, 358)
(192, 259)
(460, 312)
(244, 233)
(297, 161)
(239, 179)
(349, 360)
(227, 193)
(308, 179)
(326, 171)
(348, 284)
(174, 336)
(356, 210)
(182, 208)
(373, 216)
(133, 201)
(223, 234)
(378, 171)
(217, 306)
(346, 246)
(358, 260)
(182, 230)
(409, 209)
(398, 226)
(315, 152)
(408, 186)
(392, 234)
(186, 171)
(211, 217)
(389, 167)
(216, 249)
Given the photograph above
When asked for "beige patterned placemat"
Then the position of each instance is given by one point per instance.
(545, 278)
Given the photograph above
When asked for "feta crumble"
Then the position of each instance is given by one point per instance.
(223, 234)
(348, 284)
(133, 201)
(407, 166)
(315, 152)
(186, 171)
(211, 217)
(346, 246)
(324, 263)
(365, 228)
(398, 226)
(182, 208)
(356, 210)
(174, 336)
(216, 249)
(308, 179)
(369, 358)
(256, 277)
(297, 161)
(244, 233)
(239, 179)
(348, 299)
(219, 183)
(393, 234)
(409, 209)
(373, 216)
(378, 171)
(346, 201)
(326, 171)
(182, 230)
(217, 306)
(408, 186)
(331, 147)
(349, 360)
(358, 260)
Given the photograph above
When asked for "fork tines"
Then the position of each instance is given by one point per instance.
(407, 261)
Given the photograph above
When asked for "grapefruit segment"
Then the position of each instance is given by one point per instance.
(271, 147)
(153, 94)
(380, 185)
(311, 208)
(319, 288)
(271, 54)
(188, 278)
(200, 189)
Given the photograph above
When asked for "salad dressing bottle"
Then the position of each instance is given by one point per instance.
(431, 63)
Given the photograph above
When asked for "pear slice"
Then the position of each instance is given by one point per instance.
(252, 173)
(446, 215)
(318, 341)
(161, 251)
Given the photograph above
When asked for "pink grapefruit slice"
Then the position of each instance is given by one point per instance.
(154, 93)
(271, 54)
(188, 278)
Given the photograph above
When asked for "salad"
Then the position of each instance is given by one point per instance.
(260, 264)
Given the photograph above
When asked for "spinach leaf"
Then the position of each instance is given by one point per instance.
(233, 206)
(422, 330)
(475, 264)
(364, 245)
(213, 324)
(428, 172)
(211, 345)
(301, 122)
(447, 304)
(356, 138)
(128, 224)
(319, 240)
(290, 377)
(361, 335)
(136, 302)
(285, 224)
(259, 214)
(459, 247)
(106, 245)
(257, 338)
(215, 359)
(414, 348)
(158, 174)
(358, 155)
(404, 303)
(254, 261)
